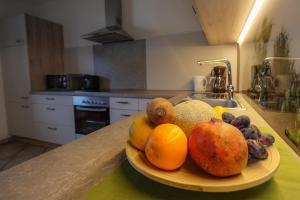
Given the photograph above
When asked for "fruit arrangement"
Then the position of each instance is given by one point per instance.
(217, 141)
(257, 142)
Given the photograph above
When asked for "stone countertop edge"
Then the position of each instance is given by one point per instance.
(118, 93)
(71, 170)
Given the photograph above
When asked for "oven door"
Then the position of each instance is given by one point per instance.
(90, 119)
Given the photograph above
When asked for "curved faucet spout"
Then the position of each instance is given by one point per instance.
(230, 87)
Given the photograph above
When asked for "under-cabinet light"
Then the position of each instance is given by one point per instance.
(257, 5)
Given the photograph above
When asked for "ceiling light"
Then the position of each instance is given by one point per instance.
(257, 5)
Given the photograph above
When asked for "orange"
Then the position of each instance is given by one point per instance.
(167, 147)
(139, 131)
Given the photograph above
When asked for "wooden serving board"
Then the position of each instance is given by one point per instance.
(191, 177)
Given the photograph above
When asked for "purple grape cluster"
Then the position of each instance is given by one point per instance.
(257, 142)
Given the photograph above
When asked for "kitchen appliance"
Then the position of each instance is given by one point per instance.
(91, 114)
(63, 82)
(220, 80)
(90, 82)
(200, 83)
(113, 32)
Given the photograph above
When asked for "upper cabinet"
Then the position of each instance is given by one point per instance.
(40, 53)
(222, 21)
(12, 31)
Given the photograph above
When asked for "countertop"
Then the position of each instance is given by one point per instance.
(72, 169)
(118, 93)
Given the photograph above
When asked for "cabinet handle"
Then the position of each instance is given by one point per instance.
(123, 102)
(24, 98)
(52, 109)
(125, 115)
(52, 128)
(50, 98)
(24, 106)
(19, 41)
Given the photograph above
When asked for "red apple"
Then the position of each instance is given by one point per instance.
(218, 148)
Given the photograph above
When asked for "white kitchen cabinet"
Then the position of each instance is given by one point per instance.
(143, 104)
(15, 73)
(53, 114)
(12, 31)
(121, 108)
(20, 119)
(53, 99)
(124, 103)
(53, 133)
(53, 118)
(118, 114)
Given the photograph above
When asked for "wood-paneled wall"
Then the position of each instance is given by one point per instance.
(45, 50)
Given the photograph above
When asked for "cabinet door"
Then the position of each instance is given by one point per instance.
(19, 117)
(118, 114)
(53, 114)
(54, 133)
(12, 31)
(15, 73)
(45, 50)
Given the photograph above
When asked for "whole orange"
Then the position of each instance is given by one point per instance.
(166, 147)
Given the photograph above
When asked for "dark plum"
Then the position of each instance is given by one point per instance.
(256, 149)
(228, 117)
(251, 132)
(257, 131)
(251, 159)
(241, 122)
(266, 139)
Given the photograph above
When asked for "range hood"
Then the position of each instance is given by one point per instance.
(113, 31)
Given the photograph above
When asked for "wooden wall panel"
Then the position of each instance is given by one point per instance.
(45, 50)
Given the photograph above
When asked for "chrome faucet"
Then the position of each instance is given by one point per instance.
(230, 87)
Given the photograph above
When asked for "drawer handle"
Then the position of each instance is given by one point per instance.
(24, 98)
(52, 128)
(52, 109)
(125, 115)
(50, 98)
(26, 107)
(123, 102)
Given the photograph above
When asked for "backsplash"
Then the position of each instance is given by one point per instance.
(121, 65)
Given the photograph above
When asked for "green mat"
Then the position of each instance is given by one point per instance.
(127, 184)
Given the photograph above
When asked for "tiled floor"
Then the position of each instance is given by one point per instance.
(16, 152)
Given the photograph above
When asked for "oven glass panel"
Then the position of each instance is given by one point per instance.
(90, 119)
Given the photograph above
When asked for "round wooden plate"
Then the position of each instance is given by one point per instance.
(190, 177)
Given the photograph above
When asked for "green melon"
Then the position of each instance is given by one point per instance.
(190, 113)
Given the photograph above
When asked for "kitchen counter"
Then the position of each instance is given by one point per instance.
(73, 169)
(118, 93)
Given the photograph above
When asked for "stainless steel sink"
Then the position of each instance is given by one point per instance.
(230, 104)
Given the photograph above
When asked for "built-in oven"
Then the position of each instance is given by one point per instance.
(91, 114)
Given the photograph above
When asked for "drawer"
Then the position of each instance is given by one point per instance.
(53, 133)
(117, 114)
(53, 114)
(143, 104)
(52, 99)
(124, 103)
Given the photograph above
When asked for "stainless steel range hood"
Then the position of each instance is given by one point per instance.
(113, 31)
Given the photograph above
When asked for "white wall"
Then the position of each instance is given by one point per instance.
(12, 7)
(3, 124)
(171, 60)
(283, 14)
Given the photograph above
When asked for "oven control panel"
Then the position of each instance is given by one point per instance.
(91, 101)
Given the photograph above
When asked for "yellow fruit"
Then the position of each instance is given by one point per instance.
(167, 147)
(219, 111)
(139, 131)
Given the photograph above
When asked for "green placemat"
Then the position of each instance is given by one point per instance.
(127, 184)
